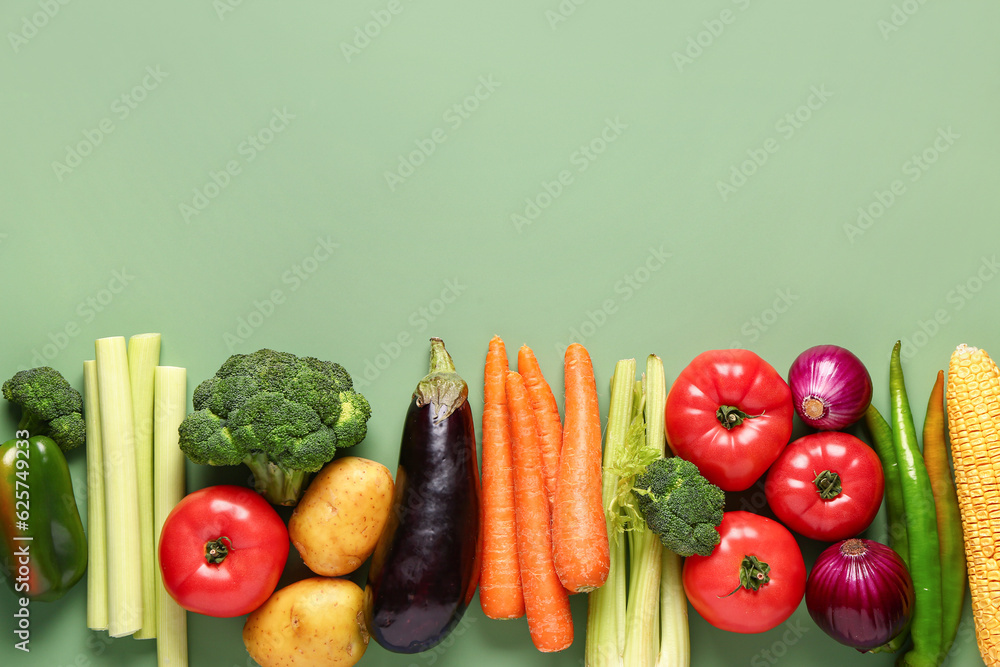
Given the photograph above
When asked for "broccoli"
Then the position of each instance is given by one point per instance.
(49, 406)
(680, 506)
(282, 415)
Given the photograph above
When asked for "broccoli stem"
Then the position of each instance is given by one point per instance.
(30, 424)
(277, 485)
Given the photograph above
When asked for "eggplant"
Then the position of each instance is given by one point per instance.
(425, 567)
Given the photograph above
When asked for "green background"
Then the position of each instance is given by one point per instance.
(642, 177)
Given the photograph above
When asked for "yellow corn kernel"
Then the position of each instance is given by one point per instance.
(973, 401)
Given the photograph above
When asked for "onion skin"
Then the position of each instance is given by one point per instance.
(831, 387)
(860, 593)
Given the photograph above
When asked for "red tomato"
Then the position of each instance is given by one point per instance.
(729, 413)
(713, 583)
(241, 532)
(802, 486)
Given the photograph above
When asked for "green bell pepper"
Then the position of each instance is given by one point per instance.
(44, 547)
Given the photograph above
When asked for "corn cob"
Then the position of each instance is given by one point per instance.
(973, 399)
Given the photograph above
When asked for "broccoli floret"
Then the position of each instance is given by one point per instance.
(680, 506)
(49, 406)
(282, 415)
(352, 426)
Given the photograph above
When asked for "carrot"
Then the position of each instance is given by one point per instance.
(499, 578)
(543, 402)
(579, 530)
(546, 602)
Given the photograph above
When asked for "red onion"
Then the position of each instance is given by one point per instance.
(830, 387)
(860, 593)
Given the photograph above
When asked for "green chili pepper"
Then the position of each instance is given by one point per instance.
(921, 527)
(949, 520)
(882, 437)
(881, 434)
(44, 547)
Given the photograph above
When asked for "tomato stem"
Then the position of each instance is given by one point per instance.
(828, 484)
(754, 573)
(731, 416)
(217, 550)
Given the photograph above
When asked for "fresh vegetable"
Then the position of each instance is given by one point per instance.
(546, 601)
(645, 551)
(425, 567)
(500, 578)
(338, 521)
(222, 550)
(169, 407)
(606, 606)
(680, 506)
(949, 519)
(881, 434)
(920, 517)
(860, 593)
(579, 535)
(973, 399)
(831, 387)
(730, 413)
(49, 406)
(97, 542)
(754, 579)
(543, 402)
(315, 621)
(283, 416)
(120, 487)
(143, 352)
(675, 639)
(826, 486)
(44, 547)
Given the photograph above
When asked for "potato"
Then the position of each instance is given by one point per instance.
(317, 621)
(336, 525)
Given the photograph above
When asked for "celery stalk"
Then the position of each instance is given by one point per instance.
(675, 642)
(143, 357)
(170, 404)
(97, 536)
(605, 642)
(645, 548)
(118, 438)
